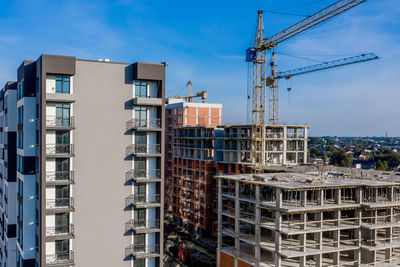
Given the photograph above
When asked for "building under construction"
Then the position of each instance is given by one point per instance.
(199, 152)
(308, 219)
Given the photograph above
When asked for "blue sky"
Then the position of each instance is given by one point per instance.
(205, 41)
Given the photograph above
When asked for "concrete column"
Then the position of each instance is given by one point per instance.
(358, 195)
(257, 228)
(278, 195)
(305, 145)
(318, 260)
(303, 198)
(321, 197)
(278, 246)
(336, 258)
(219, 223)
(237, 224)
(303, 242)
(390, 194)
(388, 252)
(338, 196)
(284, 145)
(336, 234)
(303, 219)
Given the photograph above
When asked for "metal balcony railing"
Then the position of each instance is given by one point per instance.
(59, 176)
(59, 203)
(135, 224)
(53, 149)
(142, 199)
(142, 174)
(60, 258)
(152, 123)
(60, 230)
(143, 149)
(142, 250)
(59, 122)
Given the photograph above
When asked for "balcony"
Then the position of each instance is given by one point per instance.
(142, 226)
(144, 150)
(148, 101)
(60, 232)
(59, 122)
(59, 150)
(59, 177)
(142, 175)
(143, 200)
(60, 205)
(143, 251)
(153, 124)
(60, 259)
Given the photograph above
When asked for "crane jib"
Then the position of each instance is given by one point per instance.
(327, 65)
(321, 16)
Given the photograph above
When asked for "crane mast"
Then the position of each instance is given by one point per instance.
(258, 100)
(257, 56)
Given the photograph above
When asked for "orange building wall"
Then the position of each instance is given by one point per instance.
(228, 261)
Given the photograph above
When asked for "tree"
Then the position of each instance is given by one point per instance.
(382, 165)
(342, 159)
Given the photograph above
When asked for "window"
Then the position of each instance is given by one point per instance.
(63, 114)
(141, 116)
(62, 85)
(140, 89)
(62, 249)
(20, 91)
(20, 141)
(140, 138)
(20, 115)
(140, 164)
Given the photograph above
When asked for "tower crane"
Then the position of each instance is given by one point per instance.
(257, 56)
(202, 94)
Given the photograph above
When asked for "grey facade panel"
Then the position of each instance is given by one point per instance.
(52, 64)
(148, 71)
(99, 165)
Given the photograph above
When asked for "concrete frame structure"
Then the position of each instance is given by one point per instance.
(298, 219)
(284, 144)
(200, 151)
(90, 164)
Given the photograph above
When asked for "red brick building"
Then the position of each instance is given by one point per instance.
(190, 161)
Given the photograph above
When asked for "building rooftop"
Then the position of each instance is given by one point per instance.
(291, 181)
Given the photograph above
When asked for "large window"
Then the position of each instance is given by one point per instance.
(140, 89)
(62, 85)
(20, 140)
(20, 115)
(63, 114)
(140, 164)
(62, 249)
(20, 90)
(141, 116)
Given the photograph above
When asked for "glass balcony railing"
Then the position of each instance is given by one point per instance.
(143, 149)
(59, 177)
(60, 203)
(135, 199)
(53, 121)
(54, 149)
(142, 174)
(152, 123)
(60, 231)
(142, 250)
(139, 224)
(60, 258)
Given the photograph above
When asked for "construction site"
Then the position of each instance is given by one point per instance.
(249, 188)
(308, 219)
